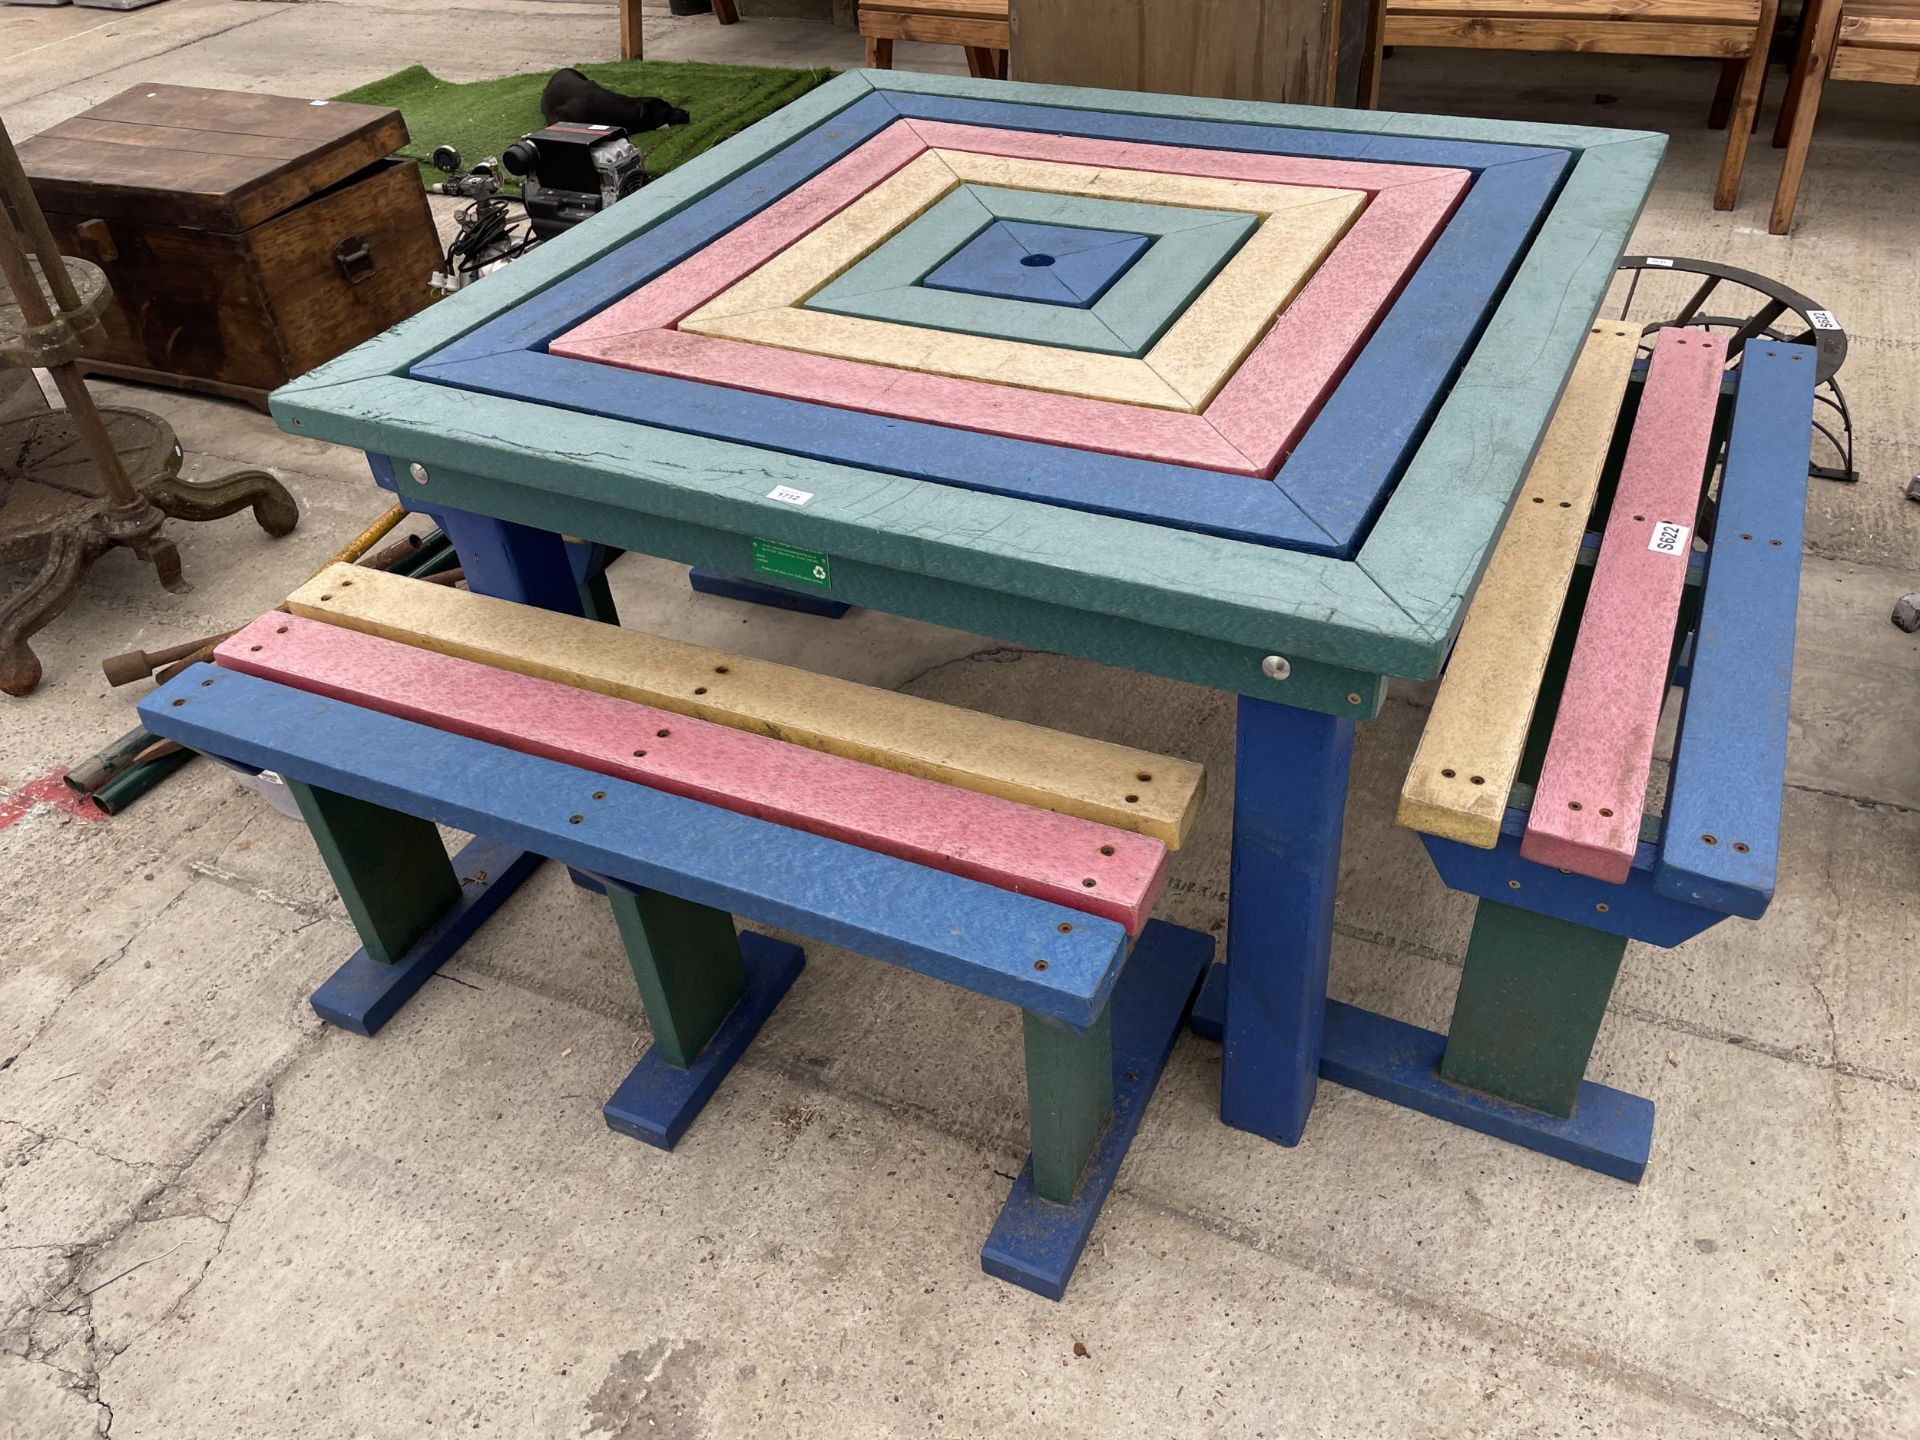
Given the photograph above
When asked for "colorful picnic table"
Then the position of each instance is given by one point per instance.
(1234, 393)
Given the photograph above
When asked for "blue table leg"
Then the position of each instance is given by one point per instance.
(530, 567)
(732, 587)
(514, 562)
(1289, 800)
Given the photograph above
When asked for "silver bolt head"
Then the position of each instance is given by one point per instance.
(418, 472)
(1276, 667)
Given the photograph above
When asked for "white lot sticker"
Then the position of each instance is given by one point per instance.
(787, 495)
(1823, 320)
(1656, 260)
(1668, 538)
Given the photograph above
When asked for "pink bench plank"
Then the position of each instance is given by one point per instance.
(982, 837)
(1593, 784)
(1251, 425)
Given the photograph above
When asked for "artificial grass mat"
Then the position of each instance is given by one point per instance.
(483, 117)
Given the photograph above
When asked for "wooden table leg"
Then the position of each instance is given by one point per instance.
(1746, 110)
(1289, 802)
(631, 44)
(1809, 79)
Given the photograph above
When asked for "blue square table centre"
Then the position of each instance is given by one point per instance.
(1054, 264)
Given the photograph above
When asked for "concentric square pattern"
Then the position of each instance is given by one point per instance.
(1237, 329)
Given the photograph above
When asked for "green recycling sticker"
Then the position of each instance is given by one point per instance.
(789, 562)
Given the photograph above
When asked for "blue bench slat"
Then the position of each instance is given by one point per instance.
(1634, 909)
(973, 935)
(1729, 766)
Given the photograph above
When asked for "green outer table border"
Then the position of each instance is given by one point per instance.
(1391, 611)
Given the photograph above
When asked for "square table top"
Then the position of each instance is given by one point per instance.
(1230, 391)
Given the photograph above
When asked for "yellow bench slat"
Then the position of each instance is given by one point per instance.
(1470, 750)
(1135, 790)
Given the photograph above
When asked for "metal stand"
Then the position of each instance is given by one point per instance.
(1775, 303)
(76, 482)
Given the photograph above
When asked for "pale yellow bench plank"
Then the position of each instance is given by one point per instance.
(1135, 790)
(1470, 750)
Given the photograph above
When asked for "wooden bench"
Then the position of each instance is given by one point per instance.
(1872, 40)
(693, 786)
(1735, 32)
(980, 26)
(1534, 782)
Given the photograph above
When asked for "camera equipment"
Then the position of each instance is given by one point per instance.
(486, 239)
(570, 172)
(483, 180)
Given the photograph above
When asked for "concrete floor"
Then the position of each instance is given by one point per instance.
(218, 1218)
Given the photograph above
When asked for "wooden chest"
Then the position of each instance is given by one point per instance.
(248, 237)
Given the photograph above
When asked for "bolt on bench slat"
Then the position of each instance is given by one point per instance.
(1721, 842)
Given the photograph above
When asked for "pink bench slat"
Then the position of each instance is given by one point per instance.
(1592, 791)
(982, 837)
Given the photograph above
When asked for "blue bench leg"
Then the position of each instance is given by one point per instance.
(412, 906)
(1289, 799)
(1036, 1242)
(707, 992)
(732, 587)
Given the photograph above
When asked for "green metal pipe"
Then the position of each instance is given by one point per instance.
(130, 784)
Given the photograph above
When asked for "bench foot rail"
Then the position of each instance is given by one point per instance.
(365, 993)
(1036, 1242)
(658, 1100)
(1609, 1131)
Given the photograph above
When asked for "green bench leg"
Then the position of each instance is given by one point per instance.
(686, 961)
(1069, 1099)
(1529, 1007)
(391, 870)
